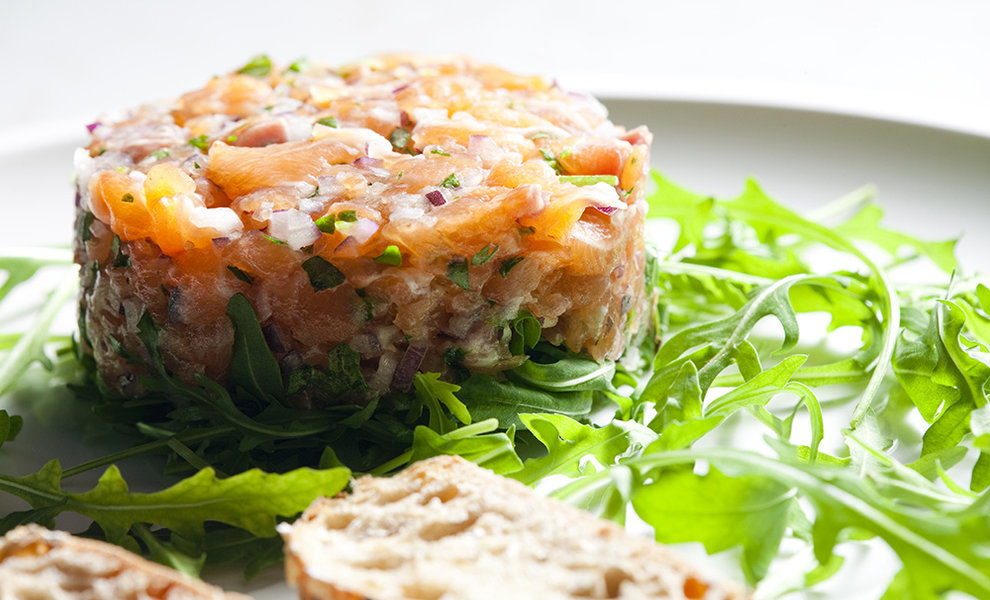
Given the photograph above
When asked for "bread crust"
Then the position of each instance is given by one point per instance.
(38, 563)
(459, 509)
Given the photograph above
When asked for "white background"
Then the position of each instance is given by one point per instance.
(923, 61)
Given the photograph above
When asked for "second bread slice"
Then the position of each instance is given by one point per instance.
(445, 528)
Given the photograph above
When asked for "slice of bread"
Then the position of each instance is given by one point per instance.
(446, 528)
(39, 564)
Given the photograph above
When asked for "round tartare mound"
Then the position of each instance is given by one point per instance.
(402, 213)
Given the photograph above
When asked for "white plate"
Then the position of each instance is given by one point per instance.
(933, 183)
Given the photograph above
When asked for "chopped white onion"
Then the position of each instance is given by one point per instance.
(601, 195)
(222, 220)
(360, 231)
(363, 139)
(293, 227)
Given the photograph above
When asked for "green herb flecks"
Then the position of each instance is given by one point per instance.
(322, 274)
(552, 161)
(457, 272)
(581, 180)
(327, 223)
(328, 122)
(401, 140)
(506, 266)
(201, 142)
(391, 256)
(300, 66)
(450, 181)
(127, 198)
(241, 274)
(118, 258)
(345, 371)
(159, 154)
(259, 66)
(484, 255)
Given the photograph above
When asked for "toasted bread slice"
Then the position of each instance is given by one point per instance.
(38, 564)
(446, 528)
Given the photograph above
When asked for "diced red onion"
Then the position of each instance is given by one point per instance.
(275, 338)
(408, 366)
(92, 126)
(436, 198)
(293, 227)
(367, 161)
(608, 210)
(404, 119)
(400, 88)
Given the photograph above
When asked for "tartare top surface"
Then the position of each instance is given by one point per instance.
(437, 156)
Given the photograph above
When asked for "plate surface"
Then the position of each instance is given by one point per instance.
(931, 182)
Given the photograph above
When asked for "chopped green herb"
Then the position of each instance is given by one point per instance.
(391, 256)
(589, 179)
(231, 139)
(128, 198)
(119, 258)
(300, 65)
(565, 153)
(121, 169)
(322, 274)
(327, 223)
(200, 141)
(345, 371)
(159, 154)
(401, 139)
(196, 164)
(273, 240)
(451, 181)
(435, 151)
(508, 264)
(528, 230)
(315, 192)
(85, 221)
(347, 216)
(552, 161)
(453, 357)
(240, 274)
(399, 176)
(328, 122)
(541, 135)
(259, 66)
(457, 271)
(484, 255)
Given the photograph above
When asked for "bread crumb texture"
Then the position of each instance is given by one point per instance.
(38, 564)
(447, 529)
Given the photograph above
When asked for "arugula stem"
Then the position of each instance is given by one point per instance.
(148, 447)
(889, 302)
(671, 267)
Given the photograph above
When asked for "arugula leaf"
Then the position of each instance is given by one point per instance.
(569, 442)
(10, 426)
(721, 512)
(488, 397)
(250, 500)
(479, 443)
(252, 365)
(434, 393)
